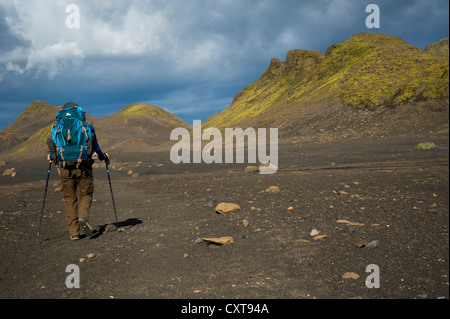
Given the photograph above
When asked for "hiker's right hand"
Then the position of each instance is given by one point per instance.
(48, 158)
(106, 158)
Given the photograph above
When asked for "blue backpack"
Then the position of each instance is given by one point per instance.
(72, 136)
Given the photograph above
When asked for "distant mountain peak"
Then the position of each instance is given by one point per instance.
(134, 127)
(439, 47)
(36, 115)
(368, 70)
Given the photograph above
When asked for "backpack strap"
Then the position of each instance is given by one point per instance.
(79, 157)
(83, 128)
(62, 154)
(54, 136)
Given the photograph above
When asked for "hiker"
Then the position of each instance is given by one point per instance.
(75, 170)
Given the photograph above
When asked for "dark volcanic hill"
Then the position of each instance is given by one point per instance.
(371, 82)
(135, 128)
(36, 116)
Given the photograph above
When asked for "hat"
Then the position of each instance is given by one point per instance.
(69, 104)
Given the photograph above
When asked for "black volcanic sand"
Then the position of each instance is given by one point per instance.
(391, 193)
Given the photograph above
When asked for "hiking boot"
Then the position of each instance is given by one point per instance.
(85, 227)
(75, 237)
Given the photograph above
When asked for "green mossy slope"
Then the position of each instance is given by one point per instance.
(366, 71)
(439, 47)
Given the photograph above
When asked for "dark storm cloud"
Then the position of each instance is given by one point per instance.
(190, 57)
(8, 40)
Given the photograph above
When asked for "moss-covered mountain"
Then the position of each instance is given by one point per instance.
(439, 47)
(34, 117)
(136, 127)
(368, 71)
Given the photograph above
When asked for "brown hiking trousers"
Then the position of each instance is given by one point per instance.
(77, 188)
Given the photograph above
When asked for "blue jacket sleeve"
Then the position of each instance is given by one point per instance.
(95, 146)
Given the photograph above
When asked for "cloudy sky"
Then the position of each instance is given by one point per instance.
(189, 57)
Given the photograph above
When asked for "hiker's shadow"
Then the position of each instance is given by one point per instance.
(107, 228)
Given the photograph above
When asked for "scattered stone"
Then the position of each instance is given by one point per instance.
(343, 221)
(273, 189)
(9, 172)
(373, 244)
(135, 175)
(219, 240)
(90, 255)
(2, 163)
(110, 228)
(251, 169)
(198, 240)
(314, 233)
(222, 208)
(290, 208)
(186, 255)
(245, 223)
(342, 193)
(360, 244)
(212, 202)
(350, 229)
(82, 260)
(320, 237)
(130, 172)
(350, 275)
(267, 164)
(268, 168)
(58, 189)
(21, 203)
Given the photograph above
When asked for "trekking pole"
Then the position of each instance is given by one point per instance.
(112, 196)
(45, 196)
